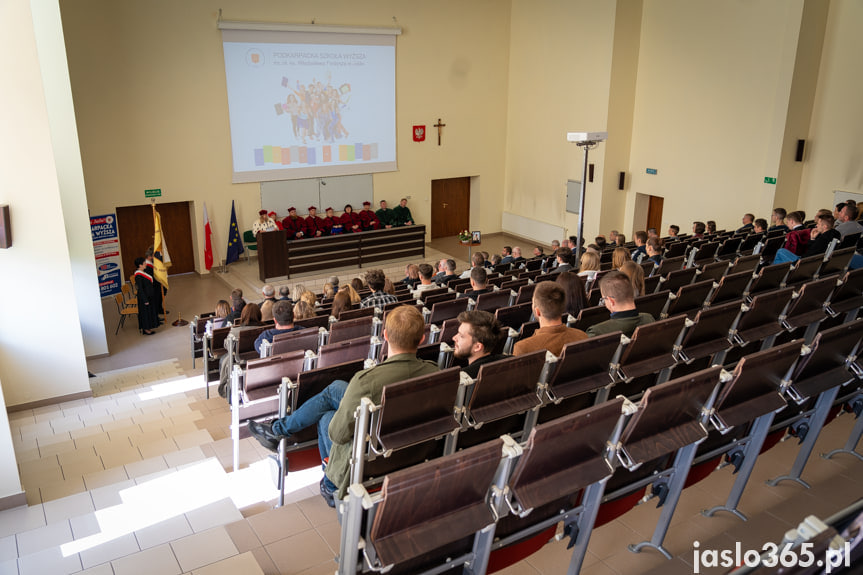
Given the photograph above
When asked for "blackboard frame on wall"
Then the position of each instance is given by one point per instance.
(335, 192)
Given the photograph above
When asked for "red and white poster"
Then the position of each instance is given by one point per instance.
(419, 133)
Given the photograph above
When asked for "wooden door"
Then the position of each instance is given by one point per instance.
(654, 214)
(450, 211)
(135, 228)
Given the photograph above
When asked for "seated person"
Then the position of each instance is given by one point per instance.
(314, 225)
(711, 226)
(476, 260)
(425, 272)
(777, 220)
(798, 236)
(295, 226)
(449, 273)
(564, 260)
(635, 273)
(341, 302)
(332, 223)
(263, 223)
(402, 214)
(302, 310)
(412, 276)
(237, 304)
(251, 317)
(495, 260)
(479, 333)
(589, 266)
(478, 283)
(350, 220)
(223, 313)
(283, 315)
(619, 256)
(576, 292)
(698, 229)
(385, 215)
(506, 255)
(640, 243)
(760, 226)
(378, 298)
(275, 217)
(654, 251)
(673, 230)
(517, 259)
(333, 409)
(269, 293)
(369, 221)
(549, 304)
(748, 224)
(285, 293)
(619, 298)
(820, 238)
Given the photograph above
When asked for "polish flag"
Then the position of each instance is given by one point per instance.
(208, 243)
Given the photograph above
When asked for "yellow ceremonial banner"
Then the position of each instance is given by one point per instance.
(160, 248)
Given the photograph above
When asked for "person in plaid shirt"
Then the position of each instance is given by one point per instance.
(376, 280)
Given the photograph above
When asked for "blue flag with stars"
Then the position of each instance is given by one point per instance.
(235, 242)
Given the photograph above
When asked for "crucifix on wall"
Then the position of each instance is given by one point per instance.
(439, 127)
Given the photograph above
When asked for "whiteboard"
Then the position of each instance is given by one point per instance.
(840, 196)
(322, 193)
(573, 196)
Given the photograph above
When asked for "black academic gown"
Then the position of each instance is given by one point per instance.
(147, 312)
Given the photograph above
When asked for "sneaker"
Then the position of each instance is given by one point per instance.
(263, 432)
(329, 496)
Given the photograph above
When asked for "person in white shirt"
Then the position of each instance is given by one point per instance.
(264, 223)
(426, 273)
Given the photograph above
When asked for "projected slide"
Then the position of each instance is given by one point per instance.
(300, 110)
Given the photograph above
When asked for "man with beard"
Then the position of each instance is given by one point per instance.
(478, 335)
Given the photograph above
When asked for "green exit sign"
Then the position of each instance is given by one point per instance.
(153, 193)
(769, 180)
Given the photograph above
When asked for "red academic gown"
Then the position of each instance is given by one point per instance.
(333, 225)
(314, 225)
(350, 220)
(369, 220)
(294, 226)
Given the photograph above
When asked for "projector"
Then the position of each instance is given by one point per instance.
(585, 137)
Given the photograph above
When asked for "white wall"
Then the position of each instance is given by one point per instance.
(41, 346)
(10, 481)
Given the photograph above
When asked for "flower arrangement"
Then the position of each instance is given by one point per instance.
(465, 237)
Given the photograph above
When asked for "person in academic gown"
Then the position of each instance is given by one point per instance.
(148, 318)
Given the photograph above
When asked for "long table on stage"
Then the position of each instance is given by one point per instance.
(278, 257)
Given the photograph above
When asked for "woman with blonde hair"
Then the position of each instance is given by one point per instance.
(302, 310)
(412, 275)
(635, 273)
(310, 298)
(297, 293)
(329, 291)
(618, 257)
(223, 310)
(589, 266)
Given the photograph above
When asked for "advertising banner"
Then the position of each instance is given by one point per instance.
(106, 245)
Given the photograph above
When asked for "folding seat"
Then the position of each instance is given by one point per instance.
(514, 285)
(557, 479)
(749, 401)
(729, 248)
(829, 364)
(590, 316)
(391, 306)
(803, 271)
(350, 314)
(319, 321)
(308, 339)
(703, 254)
(197, 327)
(440, 298)
(675, 250)
(745, 264)
(595, 295)
(421, 413)
(353, 328)
(710, 336)
(494, 300)
(455, 284)
(462, 289)
(767, 248)
(424, 295)
(809, 307)
(654, 303)
(449, 520)
(689, 299)
(664, 434)
(761, 319)
(768, 279)
(513, 316)
(545, 277)
(713, 272)
(748, 244)
(500, 397)
(448, 309)
(649, 356)
(837, 263)
(651, 284)
(671, 263)
(213, 350)
(675, 280)
(243, 346)
(849, 241)
(848, 295)
(530, 267)
(731, 287)
(344, 351)
(646, 266)
(526, 330)
(501, 268)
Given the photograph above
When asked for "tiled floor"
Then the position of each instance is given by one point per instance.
(139, 478)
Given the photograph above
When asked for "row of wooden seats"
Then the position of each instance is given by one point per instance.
(466, 504)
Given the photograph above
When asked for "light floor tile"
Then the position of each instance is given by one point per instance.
(314, 552)
(51, 535)
(110, 495)
(21, 519)
(110, 550)
(192, 439)
(72, 485)
(103, 569)
(163, 532)
(279, 523)
(156, 561)
(216, 513)
(203, 548)
(146, 467)
(8, 567)
(106, 477)
(60, 509)
(244, 563)
(8, 548)
(184, 456)
(49, 561)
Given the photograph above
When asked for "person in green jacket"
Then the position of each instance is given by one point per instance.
(386, 216)
(619, 298)
(402, 214)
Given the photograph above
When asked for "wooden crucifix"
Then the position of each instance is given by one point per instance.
(439, 127)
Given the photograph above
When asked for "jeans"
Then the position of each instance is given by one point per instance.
(784, 255)
(319, 410)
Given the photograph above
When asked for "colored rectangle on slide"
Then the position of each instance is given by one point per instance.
(374, 151)
(304, 154)
(358, 151)
(268, 154)
(286, 156)
(367, 153)
(347, 153)
(312, 155)
(259, 156)
(295, 153)
(277, 154)
(328, 154)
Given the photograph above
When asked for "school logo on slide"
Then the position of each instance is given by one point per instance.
(255, 58)
(419, 133)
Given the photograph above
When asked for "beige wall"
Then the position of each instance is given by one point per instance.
(40, 311)
(148, 81)
(834, 158)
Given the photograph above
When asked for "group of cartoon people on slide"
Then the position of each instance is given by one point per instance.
(316, 111)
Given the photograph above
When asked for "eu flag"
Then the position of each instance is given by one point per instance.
(235, 242)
